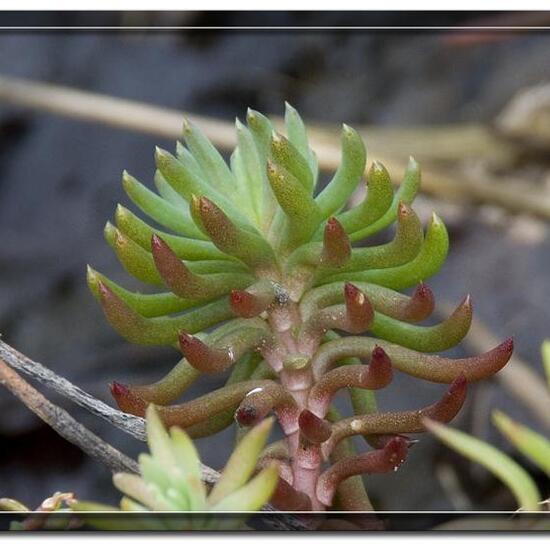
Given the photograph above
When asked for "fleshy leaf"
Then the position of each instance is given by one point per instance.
(386, 301)
(314, 428)
(186, 284)
(207, 157)
(159, 330)
(242, 462)
(297, 135)
(428, 367)
(187, 183)
(261, 128)
(431, 257)
(167, 214)
(404, 248)
(185, 248)
(135, 260)
(302, 213)
(383, 460)
(334, 196)
(135, 487)
(253, 495)
(396, 422)
(167, 192)
(250, 248)
(406, 193)
(438, 337)
(252, 172)
(287, 155)
(376, 203)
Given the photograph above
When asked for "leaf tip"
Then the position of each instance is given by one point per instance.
(246, 415)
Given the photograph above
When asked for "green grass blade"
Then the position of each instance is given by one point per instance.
(533, 445)
(504, 468)
(546, 360)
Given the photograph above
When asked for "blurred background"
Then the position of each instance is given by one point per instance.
(473, 108)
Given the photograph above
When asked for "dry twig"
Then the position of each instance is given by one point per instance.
(64, 424)
(70, 429)
(391, 146)
(128, 423)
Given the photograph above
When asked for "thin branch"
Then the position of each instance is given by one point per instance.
(128, 423)
(111, 111)
(390, 146)
(74, 432)
(64, 424)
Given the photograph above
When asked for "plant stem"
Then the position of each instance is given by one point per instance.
(305, 457)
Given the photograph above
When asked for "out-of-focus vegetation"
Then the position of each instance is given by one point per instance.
(531, 444)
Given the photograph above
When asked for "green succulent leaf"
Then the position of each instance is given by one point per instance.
(136, 488)
(376, 203)
(251, 169)
(252, 496)
(284, 153)
(171, 474)
(185, 248)
(242, 462)
(207, 157)
(188, 183)
(160, 330)
(335, 195)
(405, 194)
(302, 212)
(174, 217)
(438, 337)
(173, 197)
(297, 135)
(135, 260)
(261, 129)
(429, 260)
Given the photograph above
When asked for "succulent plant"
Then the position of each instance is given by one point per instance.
(261, 279)
(170, 481)
(52, 513)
